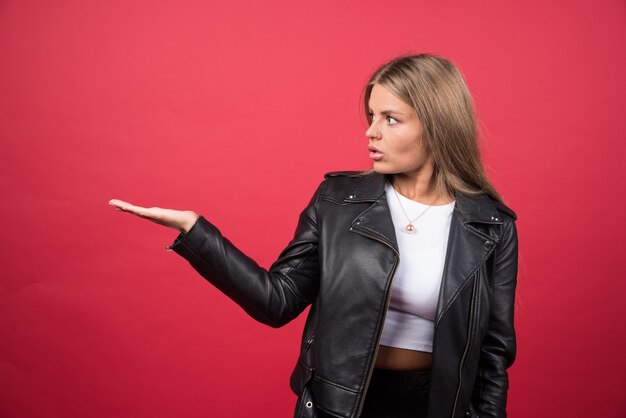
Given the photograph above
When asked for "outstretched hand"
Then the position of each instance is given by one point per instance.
(181, 220)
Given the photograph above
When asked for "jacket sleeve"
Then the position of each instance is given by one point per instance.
(499, 345)
(273, 297)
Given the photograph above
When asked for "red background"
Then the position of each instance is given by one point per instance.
(235, 110)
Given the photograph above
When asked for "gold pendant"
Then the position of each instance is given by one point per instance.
(410, 228)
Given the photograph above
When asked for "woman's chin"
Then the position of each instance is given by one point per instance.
(382, 168)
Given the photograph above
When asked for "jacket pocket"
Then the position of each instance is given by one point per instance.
(300, 377)
(471, 411)
(303, 372)
(299, 382)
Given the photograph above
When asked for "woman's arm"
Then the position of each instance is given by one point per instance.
(273, 297)
(498, 347)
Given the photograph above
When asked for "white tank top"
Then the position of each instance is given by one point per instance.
(410, 320)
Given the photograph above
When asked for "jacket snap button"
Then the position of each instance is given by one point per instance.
(309, 404)
(488, 244)
(351, 196)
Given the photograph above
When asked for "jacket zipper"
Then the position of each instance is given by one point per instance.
(308, 343)
(361, 400)
(469, 339)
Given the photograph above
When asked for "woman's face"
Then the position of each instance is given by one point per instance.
(394, 135)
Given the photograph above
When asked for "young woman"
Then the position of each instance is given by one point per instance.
(410, 267)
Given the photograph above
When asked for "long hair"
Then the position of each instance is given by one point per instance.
(436, 90)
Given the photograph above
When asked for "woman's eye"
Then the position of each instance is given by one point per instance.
(392, 121)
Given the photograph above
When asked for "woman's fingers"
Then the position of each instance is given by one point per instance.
(119, 204)
(136, 210)
(126, 207)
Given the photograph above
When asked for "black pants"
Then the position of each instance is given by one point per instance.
(396, 394)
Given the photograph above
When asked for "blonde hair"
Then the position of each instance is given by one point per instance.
(436, 90)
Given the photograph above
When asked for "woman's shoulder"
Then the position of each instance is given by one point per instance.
(504, 209)
(499, 206)
(357, 185)
(351, 185)
(483, 206)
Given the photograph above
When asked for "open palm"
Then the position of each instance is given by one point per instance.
(181, 220)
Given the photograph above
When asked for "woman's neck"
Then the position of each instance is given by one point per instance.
(420, 188)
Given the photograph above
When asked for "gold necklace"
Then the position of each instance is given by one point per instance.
(410, 228)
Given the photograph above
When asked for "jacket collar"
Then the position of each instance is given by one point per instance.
(478, 208)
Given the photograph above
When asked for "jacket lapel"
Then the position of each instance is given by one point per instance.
(471, 240)
(468, 247)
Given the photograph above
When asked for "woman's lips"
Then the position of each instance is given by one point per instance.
(376, 155)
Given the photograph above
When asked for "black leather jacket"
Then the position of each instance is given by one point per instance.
(342, 260)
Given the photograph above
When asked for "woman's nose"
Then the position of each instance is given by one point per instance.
(372, 132)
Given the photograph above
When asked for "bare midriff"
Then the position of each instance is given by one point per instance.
(402, 359)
